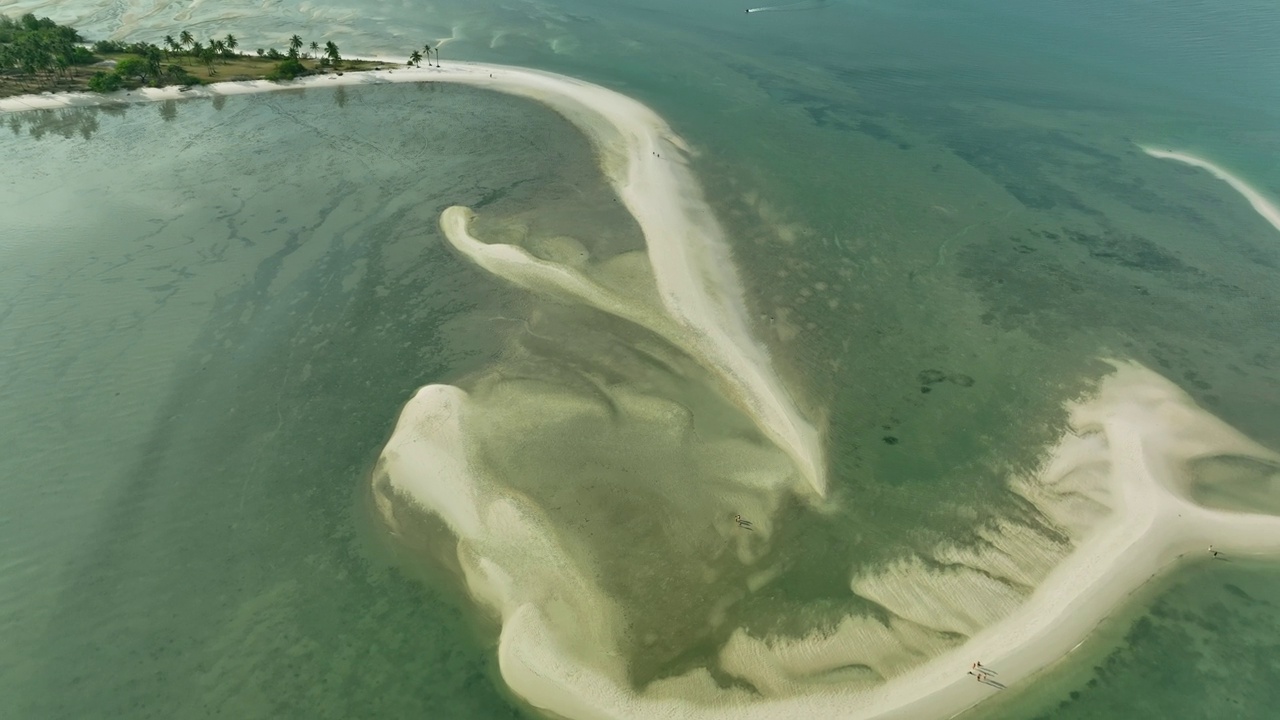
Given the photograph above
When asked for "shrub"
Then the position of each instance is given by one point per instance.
(81, 56)
(131, 67)
(104, 82)
(289, 69)
(178, 75)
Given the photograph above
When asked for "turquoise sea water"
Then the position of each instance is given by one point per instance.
(212, 314)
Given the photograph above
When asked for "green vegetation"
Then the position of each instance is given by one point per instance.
(38, 52)
(38, 55)
(288, 69)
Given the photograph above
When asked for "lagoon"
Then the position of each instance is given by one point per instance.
(941, 218)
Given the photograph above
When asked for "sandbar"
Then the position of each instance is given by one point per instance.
(1135, 435)
(645, 162)
(1265, 207)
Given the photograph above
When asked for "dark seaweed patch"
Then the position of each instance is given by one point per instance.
(929, 377)
(1131, 251)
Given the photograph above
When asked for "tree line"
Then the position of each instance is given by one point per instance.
(211, 52)
(39, 52)
(38, 47)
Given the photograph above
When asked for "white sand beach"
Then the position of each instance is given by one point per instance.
(1116, 484)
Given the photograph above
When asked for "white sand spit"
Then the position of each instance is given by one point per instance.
(1265, 207)
(645, 162)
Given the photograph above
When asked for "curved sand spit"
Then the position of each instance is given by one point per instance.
(1265, 207)
(1117, 484)
(644, 161)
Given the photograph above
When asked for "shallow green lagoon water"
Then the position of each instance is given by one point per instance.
(211, 315)
(912, 188)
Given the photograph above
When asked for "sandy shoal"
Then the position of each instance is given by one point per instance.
(1153, 524)
(645, 162)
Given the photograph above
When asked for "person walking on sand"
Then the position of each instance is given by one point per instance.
(1213, 552)
(742, 523)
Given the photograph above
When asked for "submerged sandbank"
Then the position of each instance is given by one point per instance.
(644, 161)
(1127, 452)
(1265, 207)
(1115, 485)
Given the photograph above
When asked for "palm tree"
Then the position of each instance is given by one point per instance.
(415, 59)
(186, 39)
(209, 55)
(231, 43)
(220, 48)
(331, 50)
(437, 54)
(315, 49)
(153, 58)
(170, 45)
(426, 48)
(295, 44)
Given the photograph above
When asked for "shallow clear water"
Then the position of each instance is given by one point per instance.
(914, 189)
(191, 410)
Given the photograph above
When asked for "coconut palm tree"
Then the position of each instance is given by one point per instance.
(415, 59)
(209, 55)
(331, 51)
(426, 48)
(295, 44)
(315, 49)
(186, 39)
(153, 58)
(170, 45)
(231, 43)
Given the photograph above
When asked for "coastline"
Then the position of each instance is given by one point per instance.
(1152, 525)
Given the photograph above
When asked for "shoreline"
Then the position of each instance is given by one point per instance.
(1140, 425)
